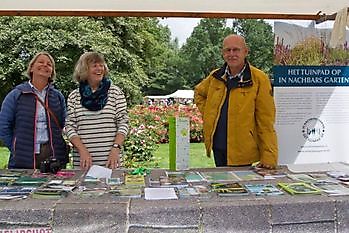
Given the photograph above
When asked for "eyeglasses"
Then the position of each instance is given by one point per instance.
(230, 50)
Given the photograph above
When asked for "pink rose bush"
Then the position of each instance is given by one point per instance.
(149, 127)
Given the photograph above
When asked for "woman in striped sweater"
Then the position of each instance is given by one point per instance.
(97, 121)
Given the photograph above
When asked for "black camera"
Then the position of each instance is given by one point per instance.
(51, 165)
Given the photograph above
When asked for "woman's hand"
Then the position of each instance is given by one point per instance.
(85, 159)
(113, 158)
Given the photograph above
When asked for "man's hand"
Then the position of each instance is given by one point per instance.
(267, 166)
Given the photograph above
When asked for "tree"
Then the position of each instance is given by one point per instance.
(150, 44)
(260, 40)
(135, 49)
(202, 51)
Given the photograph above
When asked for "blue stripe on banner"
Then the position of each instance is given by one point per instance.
(306, 76)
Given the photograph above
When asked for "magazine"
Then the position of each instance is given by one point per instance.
(134, 180)
(193, 176)
(247, 175)
(127, 191)
(302, 178)
(270, 173)
(30, 181)
(228, 189)
(160, 194)
(219, 176)
(195, 190)
(175, 179)
(332, 188)
(263, 189)
(48, 193)
(299, 188)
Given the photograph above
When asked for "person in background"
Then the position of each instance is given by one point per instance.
(97, 121)
(238, 110)
(31, 131)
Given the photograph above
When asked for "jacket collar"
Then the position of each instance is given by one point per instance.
(26, 87)
(246, 80)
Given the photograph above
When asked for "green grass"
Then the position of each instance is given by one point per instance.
(4, 155)
(198, 158)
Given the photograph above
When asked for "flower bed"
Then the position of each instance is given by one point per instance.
(149, 127)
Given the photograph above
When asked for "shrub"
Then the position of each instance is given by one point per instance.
(149, 127)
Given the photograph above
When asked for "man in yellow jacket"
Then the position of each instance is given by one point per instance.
(238, 110)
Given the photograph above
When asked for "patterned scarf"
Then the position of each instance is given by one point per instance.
(94, 101)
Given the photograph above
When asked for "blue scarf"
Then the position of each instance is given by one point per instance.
(94, 101)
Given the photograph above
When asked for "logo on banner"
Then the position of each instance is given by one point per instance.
(313, 129)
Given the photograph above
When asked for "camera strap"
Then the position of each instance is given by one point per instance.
(50, 112)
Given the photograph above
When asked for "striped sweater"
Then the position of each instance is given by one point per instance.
(97, 129)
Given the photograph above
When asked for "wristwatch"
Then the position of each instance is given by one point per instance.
(117, 146)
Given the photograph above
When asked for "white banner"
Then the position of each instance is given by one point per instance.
(312, 101)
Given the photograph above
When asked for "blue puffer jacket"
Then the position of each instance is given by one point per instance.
(18, 124)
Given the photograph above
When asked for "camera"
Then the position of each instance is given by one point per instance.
(51, 165)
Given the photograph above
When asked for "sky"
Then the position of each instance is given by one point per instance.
(183, 27)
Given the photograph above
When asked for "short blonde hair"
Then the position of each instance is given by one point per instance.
(81, 67)
(33, 60)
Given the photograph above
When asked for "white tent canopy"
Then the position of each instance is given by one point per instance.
(267, 9)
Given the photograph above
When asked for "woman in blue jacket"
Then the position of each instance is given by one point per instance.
(32, 117)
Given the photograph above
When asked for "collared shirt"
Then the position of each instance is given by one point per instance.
(41, 119)
(239, 75)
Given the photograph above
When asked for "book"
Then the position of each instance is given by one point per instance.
(126, 191)
(175, 179)
(11, 173)
(218, 176)
(160, 194)
(92, 187)
(17, 191)
(336, 174)
(13, 197)
(6, 180)
(187, 192)
(69, 182)
(48, 193)
(270, 173)
(302, 178)
(332, 188)
(263, 189)
(134, 180)
(228, 189)
(90, 192)
(319, 176)
(299, 188)
(114, 181)
(193, 176)
(247, 175)
(65, 174)
(30, 181)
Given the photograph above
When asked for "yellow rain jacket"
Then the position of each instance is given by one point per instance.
(251, 115)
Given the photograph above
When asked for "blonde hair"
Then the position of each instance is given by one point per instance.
(33, 60)
(81, 68)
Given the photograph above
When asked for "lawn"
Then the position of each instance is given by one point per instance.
(198, 158)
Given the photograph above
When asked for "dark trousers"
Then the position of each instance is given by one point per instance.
(45, 153)
(220, 157)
